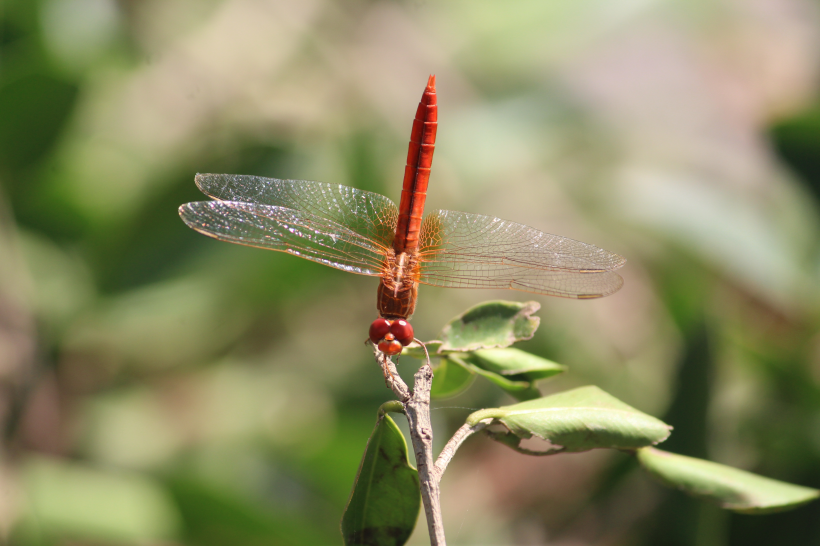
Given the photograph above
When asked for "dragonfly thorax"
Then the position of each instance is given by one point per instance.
(399, 286)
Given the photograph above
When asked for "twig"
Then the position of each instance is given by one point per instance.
(417, 409)
(391, 375)
(421, 433)
(453, 444)
(416, 405)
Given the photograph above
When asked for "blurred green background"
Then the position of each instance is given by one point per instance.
(158, 387)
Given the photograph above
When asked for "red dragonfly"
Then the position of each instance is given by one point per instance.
(363, 232)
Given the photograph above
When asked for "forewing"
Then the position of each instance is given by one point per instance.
(296, 232)
(368, 214)
(463, 250)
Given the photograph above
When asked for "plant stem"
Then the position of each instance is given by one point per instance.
(453, 444)
(421, 433)
(417, 409)
(416, 405)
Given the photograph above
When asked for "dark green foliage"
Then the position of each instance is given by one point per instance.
(475, 343)
(384, 504)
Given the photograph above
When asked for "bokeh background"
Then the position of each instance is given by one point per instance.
(163, 388)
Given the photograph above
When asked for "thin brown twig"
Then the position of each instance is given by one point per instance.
(417, 409)
(446, 455)
(391, 375)
(416, 405)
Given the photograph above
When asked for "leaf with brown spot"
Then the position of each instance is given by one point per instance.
(490, 324)
(576, 420)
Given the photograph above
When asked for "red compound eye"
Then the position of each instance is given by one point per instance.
(390, 348)
(378, 329)
(403, 331)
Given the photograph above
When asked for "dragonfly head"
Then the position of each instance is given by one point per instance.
(391, 335)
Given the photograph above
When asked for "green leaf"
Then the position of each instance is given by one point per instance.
(511, 369)
(490, 324)
(729, 487)
(577, 420)
(384, 504)
(391, 406)
(520, 390)
(514, 362)
(450, 378)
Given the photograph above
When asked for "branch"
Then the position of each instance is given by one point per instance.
(454, 443)
(417, 408)
(391, 375)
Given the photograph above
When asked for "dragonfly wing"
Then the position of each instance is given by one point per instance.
(465, 250)
(296, 232)
(369, 214)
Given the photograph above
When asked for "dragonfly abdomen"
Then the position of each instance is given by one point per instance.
(417, 171)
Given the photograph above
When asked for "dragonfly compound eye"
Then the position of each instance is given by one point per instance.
(403, 331)
(378, 329)
(390, 348)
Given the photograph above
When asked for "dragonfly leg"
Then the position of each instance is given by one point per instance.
(423, 346)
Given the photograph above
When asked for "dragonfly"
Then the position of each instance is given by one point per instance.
(365, 233)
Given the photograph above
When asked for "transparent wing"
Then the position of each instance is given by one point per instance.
(311, 236)
(463, 250)
(365, 213)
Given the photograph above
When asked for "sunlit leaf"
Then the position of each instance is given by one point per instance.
(450, 378)
(490, 324)
(729, 487)
(519, 388)
(512, 362)
(578, 420)
(384, 504)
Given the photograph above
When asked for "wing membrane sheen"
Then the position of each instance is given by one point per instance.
(277, 228)
(369, 214)
(464, 250)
